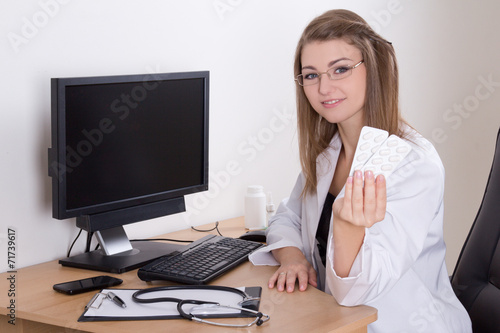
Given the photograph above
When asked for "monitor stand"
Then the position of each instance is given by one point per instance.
(118, 255)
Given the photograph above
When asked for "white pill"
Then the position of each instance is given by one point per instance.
(364, 146)
(362, 157)
(377, 160)
(374, 149)
(380, 138)
(394, 158)
(385, 152)
(402, 150)
(368, 136)
(392, 143)
(386, 167)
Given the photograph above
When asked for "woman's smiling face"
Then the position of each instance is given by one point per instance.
(335, 100)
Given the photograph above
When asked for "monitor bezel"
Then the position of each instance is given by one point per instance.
(57, 154)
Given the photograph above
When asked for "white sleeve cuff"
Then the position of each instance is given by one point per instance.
(338, 286)
(263, 257)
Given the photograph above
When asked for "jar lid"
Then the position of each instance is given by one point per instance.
(255, 189)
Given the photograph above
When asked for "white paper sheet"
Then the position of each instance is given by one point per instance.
(103, 307)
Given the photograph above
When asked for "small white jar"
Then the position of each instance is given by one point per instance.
(255, 208)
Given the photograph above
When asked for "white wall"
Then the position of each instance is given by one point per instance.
(446, 49)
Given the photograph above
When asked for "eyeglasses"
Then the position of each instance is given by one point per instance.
(334, 73)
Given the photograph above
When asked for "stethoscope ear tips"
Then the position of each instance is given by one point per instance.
(259, 321)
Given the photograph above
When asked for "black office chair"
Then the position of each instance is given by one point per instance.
(476, 279)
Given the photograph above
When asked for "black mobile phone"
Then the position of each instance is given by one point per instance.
(89, 284)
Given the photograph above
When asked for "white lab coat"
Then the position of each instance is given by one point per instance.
(400, 269)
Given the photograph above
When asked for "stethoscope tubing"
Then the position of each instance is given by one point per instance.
(260, 317)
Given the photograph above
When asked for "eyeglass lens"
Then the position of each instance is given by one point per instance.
(335, 73)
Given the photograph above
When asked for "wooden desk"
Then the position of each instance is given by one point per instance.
(41, 309)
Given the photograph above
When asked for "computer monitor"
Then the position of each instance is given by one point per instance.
(126, 149)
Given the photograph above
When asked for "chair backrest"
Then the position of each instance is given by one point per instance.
(476, 279)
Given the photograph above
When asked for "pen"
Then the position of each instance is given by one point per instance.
(118, 301)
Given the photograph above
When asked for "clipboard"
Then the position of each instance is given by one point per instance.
(101, 309)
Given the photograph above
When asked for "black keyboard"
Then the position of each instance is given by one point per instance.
(200, 262)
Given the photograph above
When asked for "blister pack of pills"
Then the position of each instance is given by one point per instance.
(378, 153)
(369, 142)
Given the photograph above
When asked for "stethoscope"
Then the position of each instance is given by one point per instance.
(260, 317)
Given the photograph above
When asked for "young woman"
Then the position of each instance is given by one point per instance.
(362, 238)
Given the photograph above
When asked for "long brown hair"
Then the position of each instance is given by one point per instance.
(381, 107)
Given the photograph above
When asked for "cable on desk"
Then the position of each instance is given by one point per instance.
(155, 239)
(91, 234)
(161, 239)
(89, 241)
(208, 230)
(74, 241)
(87, 247)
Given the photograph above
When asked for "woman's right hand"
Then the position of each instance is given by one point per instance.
(294, 267)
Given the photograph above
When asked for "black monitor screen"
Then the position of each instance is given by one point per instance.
(132, 140)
